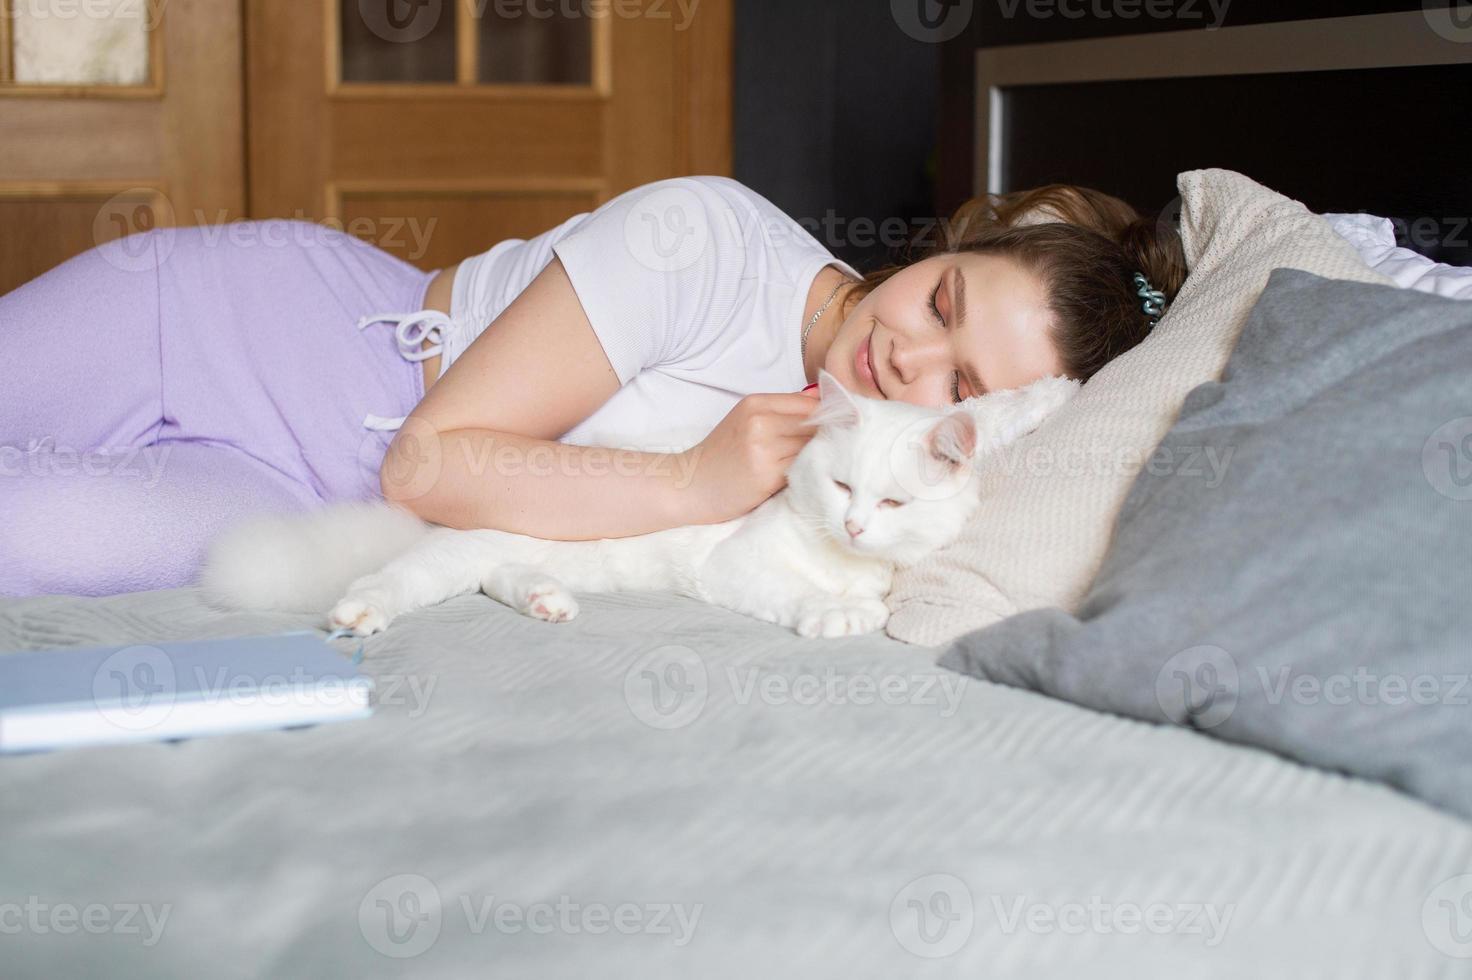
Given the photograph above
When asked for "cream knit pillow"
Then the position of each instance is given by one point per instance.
(1049, 502)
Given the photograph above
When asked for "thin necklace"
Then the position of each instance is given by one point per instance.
(817, 316)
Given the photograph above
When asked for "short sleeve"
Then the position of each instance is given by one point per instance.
(655, 267)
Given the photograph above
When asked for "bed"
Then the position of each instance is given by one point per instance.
(665, 789)
(818, 808)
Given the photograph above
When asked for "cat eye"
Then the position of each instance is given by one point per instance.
(891, 502)
(842, 486)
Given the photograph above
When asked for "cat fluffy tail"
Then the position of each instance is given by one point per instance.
(305, 562)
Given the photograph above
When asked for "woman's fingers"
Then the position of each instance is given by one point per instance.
(783, 403)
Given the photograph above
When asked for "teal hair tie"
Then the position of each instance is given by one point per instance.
(1152, 300)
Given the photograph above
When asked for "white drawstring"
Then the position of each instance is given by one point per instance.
(380, 424)
(434, 326)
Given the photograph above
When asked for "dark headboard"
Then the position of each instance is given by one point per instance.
(1362, 113)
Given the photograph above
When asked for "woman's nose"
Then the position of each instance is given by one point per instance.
(914, 356)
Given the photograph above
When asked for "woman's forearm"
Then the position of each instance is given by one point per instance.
(477, 478)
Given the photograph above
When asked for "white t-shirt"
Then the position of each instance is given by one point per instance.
(696, 288)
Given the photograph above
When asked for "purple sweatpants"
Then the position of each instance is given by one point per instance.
(159, 388)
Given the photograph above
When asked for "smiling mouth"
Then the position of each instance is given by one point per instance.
(869, 354)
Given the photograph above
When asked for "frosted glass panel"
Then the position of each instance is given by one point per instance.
(533, 43)
(64, 42)
(398, 40)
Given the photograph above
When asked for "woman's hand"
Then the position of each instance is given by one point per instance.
(744, 459)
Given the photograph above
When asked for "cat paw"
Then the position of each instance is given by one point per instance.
(360, 614)
(841, 617)
(549, 601)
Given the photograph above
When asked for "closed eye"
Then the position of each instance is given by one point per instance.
(842, 486)
(891, 502)
(935, 309)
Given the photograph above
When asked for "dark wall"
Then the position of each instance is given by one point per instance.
(1338, 141)
(835, 119)
(997, 23)
(850, 114)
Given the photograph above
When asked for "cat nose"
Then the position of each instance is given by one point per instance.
(854, 528)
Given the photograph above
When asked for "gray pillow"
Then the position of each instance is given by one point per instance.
(1290, 567)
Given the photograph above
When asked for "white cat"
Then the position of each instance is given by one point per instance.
(881, 484)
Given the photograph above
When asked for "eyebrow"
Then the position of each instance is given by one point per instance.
(972, 377)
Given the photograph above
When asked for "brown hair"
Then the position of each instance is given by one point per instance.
(1085, 247)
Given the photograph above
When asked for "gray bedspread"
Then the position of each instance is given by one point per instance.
(663, 789)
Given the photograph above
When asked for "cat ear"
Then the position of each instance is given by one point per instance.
(953, 440)
(836, 406)
(1003, 417)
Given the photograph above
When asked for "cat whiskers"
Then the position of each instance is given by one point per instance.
(822, 525)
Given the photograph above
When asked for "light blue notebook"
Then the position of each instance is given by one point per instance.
(53, 699)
